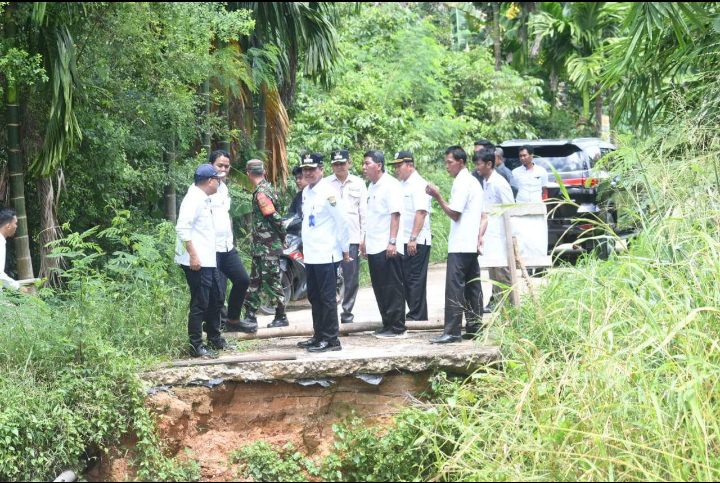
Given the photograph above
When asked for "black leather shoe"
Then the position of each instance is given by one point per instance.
(308, 343)
(222, 345)
(200, 351)
(446, 339)
(250, 317)
(324, 346)
(241, 326)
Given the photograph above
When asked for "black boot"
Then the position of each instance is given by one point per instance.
(280, 319)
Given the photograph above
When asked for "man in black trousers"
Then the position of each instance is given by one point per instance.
(382, 247)
(463, 290)
(416, 230)
(228, 261)
(326, 242)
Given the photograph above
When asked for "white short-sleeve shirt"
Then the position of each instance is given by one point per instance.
(384, 198)
(5, 279)
(467, 199)
(530, 183)
(354, 195)
(415, 199)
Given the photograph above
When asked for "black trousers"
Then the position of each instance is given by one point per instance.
(206, 300)
(321, 287)
(387, 283)
(463, 293)
(351, 275)
(231, 267)
(415, 282)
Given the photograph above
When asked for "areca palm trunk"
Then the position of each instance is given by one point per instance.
(262, 120)
(206, 136)
(599, 111)
(170, 189)
(496, 35)
(17, 178)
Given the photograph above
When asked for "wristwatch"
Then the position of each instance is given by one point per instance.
(393, 241)
(413, 238)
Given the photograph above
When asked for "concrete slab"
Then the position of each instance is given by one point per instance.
(361, 354)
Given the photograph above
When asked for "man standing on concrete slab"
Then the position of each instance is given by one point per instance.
(8, 226)
(326, 241)
(351, 189)
(463, 290)
(268, 238)
(497, 191)
(477, 146)
(228, 260)
(296, 205)
(381, 246)
(416, 230)
(195, 252)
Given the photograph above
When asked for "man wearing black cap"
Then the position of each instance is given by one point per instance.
(416, 230)
(353, 192)
(325, 239)
(195, 252)
(381, 246)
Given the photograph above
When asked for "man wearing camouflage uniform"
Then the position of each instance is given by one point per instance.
(268, 238)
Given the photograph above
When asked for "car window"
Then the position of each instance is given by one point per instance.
(563, 164)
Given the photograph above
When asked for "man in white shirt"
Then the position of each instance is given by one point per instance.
(326, 241)
(8, 226)
(531, 178)
(196, 253)
(497, 191)
(228, 260)
(416, 231)
(381, 245)
(353, 193)
(463, 290)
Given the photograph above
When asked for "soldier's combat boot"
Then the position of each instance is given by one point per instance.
(280, 319)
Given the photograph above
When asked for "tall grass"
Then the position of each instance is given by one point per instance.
(615, 373)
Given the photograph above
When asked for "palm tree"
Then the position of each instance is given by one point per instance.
(575, 36)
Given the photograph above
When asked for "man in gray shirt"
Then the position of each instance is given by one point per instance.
(504, 171)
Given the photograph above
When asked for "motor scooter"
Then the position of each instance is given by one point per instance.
(292, 267)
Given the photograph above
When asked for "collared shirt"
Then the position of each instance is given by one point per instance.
(354, 195)
(467, 199)
(384, 199)
(5, 280)
(415, 199)
(505, 172)
(497, 190)
(325, 227)
(530, 183)
(220, 206)
(195, 223)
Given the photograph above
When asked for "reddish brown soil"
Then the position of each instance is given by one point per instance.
(205, 425)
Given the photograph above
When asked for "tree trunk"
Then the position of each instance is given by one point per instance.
(262, 120)
(170, 189)
(206, 135)
(496, 35)
(553, 90)
(17, 179)
(598, 111)
(586, 104)
(224, 111)
(287, 90)
(51, 231)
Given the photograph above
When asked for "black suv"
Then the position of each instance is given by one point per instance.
(574, 160)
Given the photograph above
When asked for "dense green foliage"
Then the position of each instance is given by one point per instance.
(612, 376)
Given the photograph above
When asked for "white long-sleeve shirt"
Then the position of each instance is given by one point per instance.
(220, 206)
(195, 223)
(354, 195)
(325, 227)
(5, 280)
